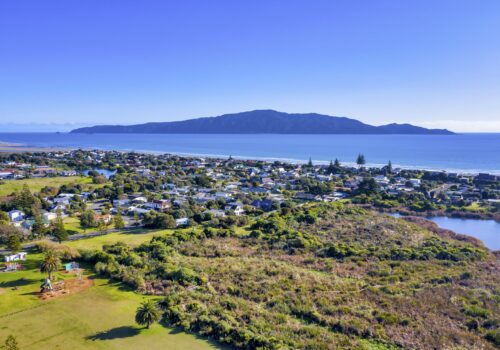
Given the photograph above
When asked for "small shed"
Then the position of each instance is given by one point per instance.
(71, 266)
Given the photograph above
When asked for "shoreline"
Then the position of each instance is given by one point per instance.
(8, 147)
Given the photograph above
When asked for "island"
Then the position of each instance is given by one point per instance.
(264, 122)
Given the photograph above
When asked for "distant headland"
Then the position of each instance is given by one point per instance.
(264, 122)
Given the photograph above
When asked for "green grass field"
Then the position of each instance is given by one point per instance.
(35, 185)
(101, 317)
(132, 238)
(73, 224)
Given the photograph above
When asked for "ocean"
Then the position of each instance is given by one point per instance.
(466, 153)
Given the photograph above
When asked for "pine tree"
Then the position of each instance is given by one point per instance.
(39, 229)
(58, 231)
(361, 160)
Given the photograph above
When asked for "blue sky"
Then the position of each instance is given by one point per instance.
(431, 63)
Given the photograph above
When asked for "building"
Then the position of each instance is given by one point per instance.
(181, 222)
(16, 215)
(16, 257)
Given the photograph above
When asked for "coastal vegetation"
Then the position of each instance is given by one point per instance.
(319, 277)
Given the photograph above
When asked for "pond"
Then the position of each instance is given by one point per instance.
(487, 231)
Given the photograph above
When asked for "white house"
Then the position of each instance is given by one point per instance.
(237, 208)
(47, 217)
(181, 222)
(16, 257)
(160, 204)
(16, 215)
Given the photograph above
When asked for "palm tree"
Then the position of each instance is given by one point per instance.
(147, 313)
(50, 263)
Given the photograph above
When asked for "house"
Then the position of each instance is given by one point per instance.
(305, 196)
(104, 218)
(62, 200)
(159, 204)
(139, 211)
(6, 175)
(263, 204)
(237, 208)
(28, 224)
(120, 203)
(16, 215)
(223, 195)
(16, 257)
(181, 222)
(381, 180)
(414, 182)
(47, 217)
(140, 199)
(216, 213)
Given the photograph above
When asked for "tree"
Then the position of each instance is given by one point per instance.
(14, 243)
(7, 232)
(310, 163)
(50, 263)
(118, 220)
(4, 218)
(336, 164)
(360, 161)
(203, 181)
(39, 228)
(11, 343)
(25, 201)
(389, 167)
(147, 313)
(101, 226)
(367, 186)
(58, 230)
(87, 219)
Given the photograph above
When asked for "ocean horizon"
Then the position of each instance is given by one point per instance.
(460, 153)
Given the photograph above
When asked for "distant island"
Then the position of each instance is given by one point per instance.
(263, 122)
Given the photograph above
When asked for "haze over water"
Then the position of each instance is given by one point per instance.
(454, 153)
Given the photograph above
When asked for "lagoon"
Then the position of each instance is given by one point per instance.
(488, 231)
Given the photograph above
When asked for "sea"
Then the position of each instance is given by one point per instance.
(460, 153)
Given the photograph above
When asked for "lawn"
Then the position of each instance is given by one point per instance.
(73, 224)
(35, 185)
(101, 317)
(133, 238)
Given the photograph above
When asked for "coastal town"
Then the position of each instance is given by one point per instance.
(167, 191)
(204, 240)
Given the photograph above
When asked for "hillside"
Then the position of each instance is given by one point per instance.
(263, 122)
(318, 277)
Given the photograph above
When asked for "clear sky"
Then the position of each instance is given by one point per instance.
(434, 63)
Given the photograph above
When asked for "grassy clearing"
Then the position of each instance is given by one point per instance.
(35, 185)
(73, 224)
(132, 238)
(101, 317)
